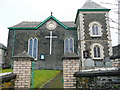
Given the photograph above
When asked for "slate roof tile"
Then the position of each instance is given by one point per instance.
(35, 24)
(92, 5)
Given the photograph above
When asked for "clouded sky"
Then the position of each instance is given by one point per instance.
(15, 11)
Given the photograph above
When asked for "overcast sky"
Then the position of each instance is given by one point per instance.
(15, 11)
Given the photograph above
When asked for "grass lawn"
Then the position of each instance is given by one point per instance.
(41, 77)
(5, 70)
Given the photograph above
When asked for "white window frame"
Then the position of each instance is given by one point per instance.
(68, 44)
(33, 47)
(99, 29)
(101, 51)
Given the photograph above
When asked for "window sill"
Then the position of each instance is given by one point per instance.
(97, 58)
(95, 35)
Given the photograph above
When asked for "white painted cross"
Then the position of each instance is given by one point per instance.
(51, 37)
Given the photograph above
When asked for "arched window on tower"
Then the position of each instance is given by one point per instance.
(33, 47)
(97, 51)
(95, 30)
(68, 45)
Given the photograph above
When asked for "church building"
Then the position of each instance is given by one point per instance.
(47, 41)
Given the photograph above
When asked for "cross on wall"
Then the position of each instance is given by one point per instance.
(50, 37)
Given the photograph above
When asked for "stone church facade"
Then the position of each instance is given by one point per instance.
(47, 41)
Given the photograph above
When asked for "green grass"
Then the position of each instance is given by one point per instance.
(41, 77)
(5, 70)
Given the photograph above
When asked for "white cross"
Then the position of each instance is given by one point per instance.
(51, 37)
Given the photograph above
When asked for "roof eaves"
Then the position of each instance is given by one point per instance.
(22, 28)
(89, 10)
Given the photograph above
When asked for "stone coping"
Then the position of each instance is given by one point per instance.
(86, 73)
(24, 54)
(7, 77)
(70, 55)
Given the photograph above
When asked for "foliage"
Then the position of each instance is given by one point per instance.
(9, 84)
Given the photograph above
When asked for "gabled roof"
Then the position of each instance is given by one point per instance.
(91, 6)
(36, 25)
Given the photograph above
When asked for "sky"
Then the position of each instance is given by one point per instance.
(13, 12)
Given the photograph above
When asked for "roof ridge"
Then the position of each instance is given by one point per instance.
(31, 21)
(67, 21)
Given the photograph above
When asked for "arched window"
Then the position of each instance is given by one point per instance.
(68, 45)
(97, 51)
(30, 50)
(95, 29)
(33, 47)
(71, 45)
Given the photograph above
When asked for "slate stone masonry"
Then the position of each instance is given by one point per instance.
(22, 68)
(53, 61)
(100, 80)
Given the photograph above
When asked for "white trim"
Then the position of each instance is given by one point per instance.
(82, 49)
(78, 33)
(82, 33)
(68, 44)
(109, 34)
(99, 29)
(101, 51)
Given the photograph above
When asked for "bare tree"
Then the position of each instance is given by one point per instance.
(116, 10)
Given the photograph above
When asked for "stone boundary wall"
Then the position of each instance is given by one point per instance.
(115, 62)
(70, 66)
(22, 68)
(23, 71)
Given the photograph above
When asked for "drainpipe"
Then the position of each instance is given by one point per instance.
(13, 44)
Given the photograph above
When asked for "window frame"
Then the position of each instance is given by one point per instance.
(99, 29)
(69, 48)
(33, 39)
(101, 51)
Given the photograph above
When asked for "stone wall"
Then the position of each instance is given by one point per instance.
(23, 71)
(116, 62)
(98, 79)
(70, 66)
(53, 61)
(22, 68)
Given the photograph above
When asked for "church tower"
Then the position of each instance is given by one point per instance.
(94, 40)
